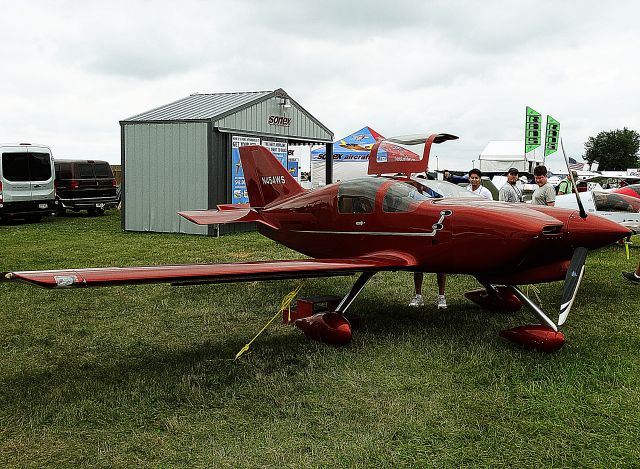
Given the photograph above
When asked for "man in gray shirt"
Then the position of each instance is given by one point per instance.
(510, 192)
(545, 194)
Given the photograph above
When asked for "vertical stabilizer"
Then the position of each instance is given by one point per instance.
(267, 180)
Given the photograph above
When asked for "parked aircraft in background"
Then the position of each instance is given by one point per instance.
(381, 223)
(613, 204)
(632, 190)
(608, 182)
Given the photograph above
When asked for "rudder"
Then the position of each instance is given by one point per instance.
(266, 179)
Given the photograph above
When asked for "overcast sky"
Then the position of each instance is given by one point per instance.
(72, 70)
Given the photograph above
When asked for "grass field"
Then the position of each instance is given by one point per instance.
(145, 376)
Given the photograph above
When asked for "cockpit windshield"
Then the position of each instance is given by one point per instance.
(438, 189)
(403, 197)
(358, 195)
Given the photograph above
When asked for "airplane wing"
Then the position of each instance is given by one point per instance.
(209, 273)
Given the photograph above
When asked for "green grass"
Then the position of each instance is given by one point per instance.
(143, 375)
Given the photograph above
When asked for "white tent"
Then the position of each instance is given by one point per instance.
(500, 155)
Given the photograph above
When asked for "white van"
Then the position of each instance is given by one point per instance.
(26, 181)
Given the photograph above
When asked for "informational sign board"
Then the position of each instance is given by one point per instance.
(279, 149)
(533, 130)
(293, 168)
(552, 136)
(239, 187)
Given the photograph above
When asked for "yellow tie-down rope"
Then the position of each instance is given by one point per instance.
(626, 248)
(536, 291)
(284, 304)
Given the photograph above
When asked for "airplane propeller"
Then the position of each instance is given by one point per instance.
(572, 282)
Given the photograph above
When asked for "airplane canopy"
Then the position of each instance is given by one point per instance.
(407, 154)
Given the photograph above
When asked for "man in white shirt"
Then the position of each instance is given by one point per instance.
(475, 178)
(510, 192)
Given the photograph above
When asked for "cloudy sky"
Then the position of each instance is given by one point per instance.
(72, 70)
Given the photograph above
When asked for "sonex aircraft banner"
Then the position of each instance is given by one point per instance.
(350, 156)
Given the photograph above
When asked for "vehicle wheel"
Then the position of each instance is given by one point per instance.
(100, 211)
(91, 211)
(60, 211)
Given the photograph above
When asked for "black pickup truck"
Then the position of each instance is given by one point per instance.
(84, 185)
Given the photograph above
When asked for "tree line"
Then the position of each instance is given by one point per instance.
(614, 150)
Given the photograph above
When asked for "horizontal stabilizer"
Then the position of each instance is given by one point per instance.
(202, 273)
(226, 214)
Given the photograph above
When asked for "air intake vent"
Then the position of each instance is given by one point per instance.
(552, 229)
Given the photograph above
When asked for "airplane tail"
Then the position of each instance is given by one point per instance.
(267, 180)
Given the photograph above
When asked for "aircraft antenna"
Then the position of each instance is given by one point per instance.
(583, 214)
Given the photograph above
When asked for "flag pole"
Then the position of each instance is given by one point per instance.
(583, 214)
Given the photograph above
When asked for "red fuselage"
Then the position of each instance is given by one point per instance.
(494, 241)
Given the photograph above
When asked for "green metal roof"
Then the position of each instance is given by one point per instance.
(200, 106)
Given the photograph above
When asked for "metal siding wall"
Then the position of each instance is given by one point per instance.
(192, 174)
(255, 119)
(135, 136)
(153, 165)
(166, 172)
(176, 166)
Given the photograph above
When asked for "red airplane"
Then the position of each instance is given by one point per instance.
(632, 190)
(384, 223)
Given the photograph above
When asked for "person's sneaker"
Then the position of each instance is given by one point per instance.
(442, 302)
(631, 276)
(416, 301)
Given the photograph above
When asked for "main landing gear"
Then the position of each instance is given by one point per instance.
(333, 327)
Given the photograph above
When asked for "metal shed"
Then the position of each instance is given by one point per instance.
(182, 156)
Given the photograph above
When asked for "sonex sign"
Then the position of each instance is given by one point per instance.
(279, 120)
